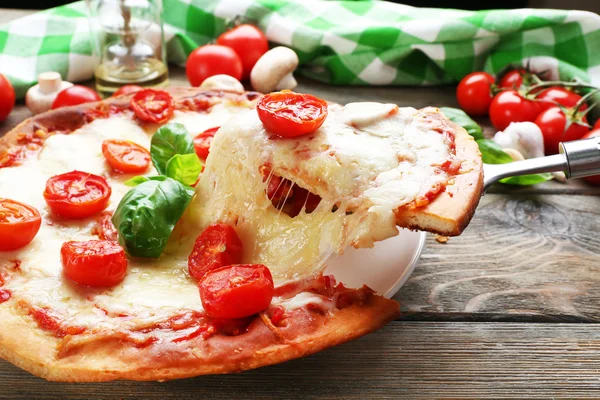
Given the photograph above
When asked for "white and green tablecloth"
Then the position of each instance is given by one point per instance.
(340, 42)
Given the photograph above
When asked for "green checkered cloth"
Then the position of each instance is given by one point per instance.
(340, 42)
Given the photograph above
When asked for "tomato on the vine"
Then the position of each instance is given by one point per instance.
(7, 97)
(474, 93)
(509, 106)
(513, 79)
(74, 95)
(557, 127)
(249, 42)
(19, 223)
(210, 60)
(594, 179)
(549, 97)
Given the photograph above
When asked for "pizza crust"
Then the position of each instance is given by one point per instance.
(28, 347)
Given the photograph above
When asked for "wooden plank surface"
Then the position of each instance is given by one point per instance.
(407, 360)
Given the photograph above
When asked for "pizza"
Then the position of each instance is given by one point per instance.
(169, 234)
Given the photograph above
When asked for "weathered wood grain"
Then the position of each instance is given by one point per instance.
(407, 360)
(521, 258)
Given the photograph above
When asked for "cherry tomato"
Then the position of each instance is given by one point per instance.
(553, 122)
(217, 246)
(152, 105)
(288, 114)
(7, 97)
(126, 156)
(509, 106)
(19, 223)
(95, 263)
(236, 291)
(210, 60)
(75, 95)
(513, 79)
(203, 141)
(249, 42)
(127, 89)
(105, 229)
(549, 97)
(597, 124)
(77, 194)
(474, 93)
(595, 179)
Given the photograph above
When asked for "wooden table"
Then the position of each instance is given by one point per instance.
(509, 309)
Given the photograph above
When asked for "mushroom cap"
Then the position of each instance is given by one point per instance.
(222, 82)
(39, 98)
(275, 65)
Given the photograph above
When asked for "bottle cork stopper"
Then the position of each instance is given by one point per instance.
(49, 81)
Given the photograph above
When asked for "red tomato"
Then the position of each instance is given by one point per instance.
(127, 89)
(19, 223)
(553, 122)
(236, 291)
(217, 246)
(513, 79)
(474, 93)
(210, 60)
(7, 97)
(126, 156)
(203, 141)
(595, 179)
(77, 194)
(509, 106)
(597, 124)
(288, 114)
(105, 229)
(249, 42)
(95, 263)
(152, 105)
(75, 95)
(549, 97)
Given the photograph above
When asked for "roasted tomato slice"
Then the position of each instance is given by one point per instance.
(126, 156)
(105, 229)
(19, 223)
(95, 263)
(152, 105)
(288, 114)
(237, 291)
(203, 141)
(77, 194)
(217, 246)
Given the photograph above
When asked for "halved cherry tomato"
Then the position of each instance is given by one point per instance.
(7, 97)
(152, 105)
(553, 124)
(513, 79)
(19, 223)
(127, 89)
(126, 156)
(203, 141)
(249, 42)
(237, 291)
(95, 263)
(104, 228)
(77, 194)
(74, 95)
(217, 246)
(288, 114)
(210, 60)
(509, 106)
(550, 97)
(595, 179)
(474, 93)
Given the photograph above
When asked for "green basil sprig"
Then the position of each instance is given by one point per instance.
(147, 214)
(491, 153)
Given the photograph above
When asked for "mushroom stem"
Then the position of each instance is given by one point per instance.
(287, 82)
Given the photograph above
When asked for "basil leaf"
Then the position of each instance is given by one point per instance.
(184, 167)
(169, 140)
(459, 117)
(147, 214)
(136, 180)
(491, 153)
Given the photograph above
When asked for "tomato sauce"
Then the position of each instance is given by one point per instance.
(49, 321)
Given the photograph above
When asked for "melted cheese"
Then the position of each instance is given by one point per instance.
(366, 159)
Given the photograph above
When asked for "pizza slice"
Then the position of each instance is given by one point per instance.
(225, 276)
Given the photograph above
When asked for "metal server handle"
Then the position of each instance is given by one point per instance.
(576, 159)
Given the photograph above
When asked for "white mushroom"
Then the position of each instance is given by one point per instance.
(39, 98)
(274, 70)
(523, 137)
(223, 82)
(514, 154)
